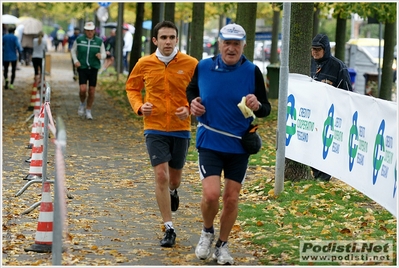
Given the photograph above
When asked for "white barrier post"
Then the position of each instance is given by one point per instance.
(59, 199)
(282, 104)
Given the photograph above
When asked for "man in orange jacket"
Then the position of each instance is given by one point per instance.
(165, 75)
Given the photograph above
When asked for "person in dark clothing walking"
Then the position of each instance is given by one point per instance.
(327, 69)
(110, 50)
(10, 48)
(71, 40)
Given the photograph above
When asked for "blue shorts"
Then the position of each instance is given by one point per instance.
(169, 149)
(212, 163)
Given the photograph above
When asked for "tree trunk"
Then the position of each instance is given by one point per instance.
(246, 17)
(340, 38)
(197, 30)
(170, 12)
(316, 19)
(137, 42)
(387, 72)
(301, 38)
(274, 56)
(156, 11)
(301, 35)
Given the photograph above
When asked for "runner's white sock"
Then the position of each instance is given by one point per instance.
(168, 225)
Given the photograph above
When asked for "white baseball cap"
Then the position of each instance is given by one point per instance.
(89, 26)
(232, 32)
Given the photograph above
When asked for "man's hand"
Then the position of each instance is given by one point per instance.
(77, 64)
(182, 113)
(197, 109)
(98, 55)
(252, 102)
(146, 109)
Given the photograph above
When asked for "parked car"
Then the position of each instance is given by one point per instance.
(362, 56)
(207, 46)
(263, 50)
(259, 51)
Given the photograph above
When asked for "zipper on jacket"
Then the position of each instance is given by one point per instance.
(88, 52)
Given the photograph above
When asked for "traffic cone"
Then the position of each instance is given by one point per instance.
(34, 128)
(33, 132)
(44, 232)
(33, 97)
(36, 162)
(38, 103)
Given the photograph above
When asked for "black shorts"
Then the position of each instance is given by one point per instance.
(212, 163)
(88, 75)
(169, 149)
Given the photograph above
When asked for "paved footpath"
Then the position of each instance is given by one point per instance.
(113, 217)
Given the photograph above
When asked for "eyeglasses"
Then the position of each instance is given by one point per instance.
(317, 49)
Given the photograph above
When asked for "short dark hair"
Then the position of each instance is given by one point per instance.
(165, 24)
(11, 29)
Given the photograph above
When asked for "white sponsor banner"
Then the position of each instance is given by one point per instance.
(350, 136)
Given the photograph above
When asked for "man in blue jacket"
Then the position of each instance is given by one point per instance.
(10, 48)
(71, 40)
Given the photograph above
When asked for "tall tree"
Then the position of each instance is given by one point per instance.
(342, 12)
(387, 73)
(301, 34)
(340, 37)
(246, 17)
(383, 13)
(137, 42)
(170, 11)
(155, 14)
(316, 19)
(274, 56)
(197, 30)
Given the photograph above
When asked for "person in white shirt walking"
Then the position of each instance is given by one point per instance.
(127, 47)
(39, 50)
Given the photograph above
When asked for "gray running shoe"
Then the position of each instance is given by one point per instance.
(88, 115)
(203, 249)
(222, 255)
(81, 110)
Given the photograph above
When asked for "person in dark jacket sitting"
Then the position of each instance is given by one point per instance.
(327, 69)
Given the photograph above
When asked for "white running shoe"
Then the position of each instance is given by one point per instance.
(222, 255)
(203, 249)
(88, 115)
(81, 110)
